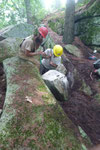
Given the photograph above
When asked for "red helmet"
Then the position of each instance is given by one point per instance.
(43, 31)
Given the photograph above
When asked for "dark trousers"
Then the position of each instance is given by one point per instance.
(43, 69)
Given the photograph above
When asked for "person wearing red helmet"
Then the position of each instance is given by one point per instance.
(29, 46)
(43, 31)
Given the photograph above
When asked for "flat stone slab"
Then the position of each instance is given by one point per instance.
(73, 50)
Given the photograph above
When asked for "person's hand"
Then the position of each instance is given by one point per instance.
(52, 64)
(40, 53)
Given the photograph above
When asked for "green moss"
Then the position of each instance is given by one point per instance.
(41, 88)
(45, 131)
(73, 50)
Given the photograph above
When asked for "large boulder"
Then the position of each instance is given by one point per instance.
(57, 83)
(9, 47)
(32, 118)
(22, 30)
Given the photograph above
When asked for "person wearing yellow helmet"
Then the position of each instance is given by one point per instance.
(51, 59)
(58, 50)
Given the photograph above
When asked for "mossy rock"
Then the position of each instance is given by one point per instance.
(9, 48)
(21, 30)
(41, 124)
(73, 50)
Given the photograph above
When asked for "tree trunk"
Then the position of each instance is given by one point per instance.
(68, 36)
(28, 11)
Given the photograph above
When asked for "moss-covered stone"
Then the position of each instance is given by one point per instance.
(9, 48)
(73, 50)
(38, 125)
(21, 30)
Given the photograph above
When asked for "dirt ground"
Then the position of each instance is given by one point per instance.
(82, 109)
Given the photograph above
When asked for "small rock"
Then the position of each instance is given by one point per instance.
(28, 99)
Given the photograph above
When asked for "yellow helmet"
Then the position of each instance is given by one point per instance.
(58, 50)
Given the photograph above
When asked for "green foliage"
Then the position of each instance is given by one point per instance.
(89, 29)
(56, 24)
(13, 12)
(81, 3)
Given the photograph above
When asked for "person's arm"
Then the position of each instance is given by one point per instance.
(44, 55)
(29, 53)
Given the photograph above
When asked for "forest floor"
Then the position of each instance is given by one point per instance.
(82, 109)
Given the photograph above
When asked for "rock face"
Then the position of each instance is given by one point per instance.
(22, 30)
